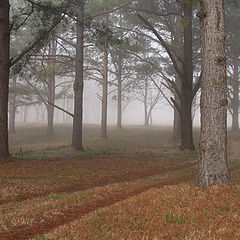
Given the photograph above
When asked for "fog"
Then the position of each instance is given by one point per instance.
(132, 114)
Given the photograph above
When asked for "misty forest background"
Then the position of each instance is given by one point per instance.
(125, 64)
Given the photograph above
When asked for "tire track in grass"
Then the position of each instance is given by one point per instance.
(100, 182)
(74, 212)
(47, 224)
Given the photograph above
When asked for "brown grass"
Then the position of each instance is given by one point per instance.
(173, 212)
(126, 187)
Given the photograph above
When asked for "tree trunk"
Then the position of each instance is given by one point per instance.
(12, 106)
(178, 42)
(213, 165)
(51, 85)
(104, 90)
(235, 100)
(25, 114)
(119, 98)
(146, 122)
(78, 83)
(186, 104)
(4, 76)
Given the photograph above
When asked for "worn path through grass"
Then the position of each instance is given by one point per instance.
(46, 197)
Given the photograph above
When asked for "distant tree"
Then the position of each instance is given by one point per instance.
(213, 164)
(20, 95)
(145, 89)
(233, 61)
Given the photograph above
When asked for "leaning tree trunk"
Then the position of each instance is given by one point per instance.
(51, 85)
(186, 91)
(78, 83)
(12, 106)
(4, 76)
(213, 165)
(235, 99)
(104, 91)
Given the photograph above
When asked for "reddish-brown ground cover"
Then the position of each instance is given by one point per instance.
(144, 191)
(173, 212)
(50, 203)
(25, 189)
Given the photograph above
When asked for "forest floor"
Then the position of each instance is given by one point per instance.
(134, 185)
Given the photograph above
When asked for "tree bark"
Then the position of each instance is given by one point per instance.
(119, 97)
(213, 165)
(4, 76)
(146, 122)
(186, 91)
(104, 89)
(178, 42)
(12, 106)
(235, 99)
(51, 85)
(25, 114)
(78, 83)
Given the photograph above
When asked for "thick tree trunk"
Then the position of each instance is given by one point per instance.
(119, 97)
(78, 83)
(12, 106)
(186, 105)
(213, 165)
(4, 76)
(235, 100)
(103, 133)
(51, 85)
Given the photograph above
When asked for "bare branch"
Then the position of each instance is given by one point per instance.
(163, 43)
(63, 110)
(176, 105)
(197, 85)
(160, 90)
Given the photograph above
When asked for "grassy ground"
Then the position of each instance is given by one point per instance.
(136, 184)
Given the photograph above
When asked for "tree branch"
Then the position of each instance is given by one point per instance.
(163, 43)
(34, 44)
(197, 86)
(176, 105)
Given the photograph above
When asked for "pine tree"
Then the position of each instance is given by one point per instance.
(213, 164)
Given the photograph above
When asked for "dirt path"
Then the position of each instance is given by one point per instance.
(27, 231)
(74, 212)
(99, 182)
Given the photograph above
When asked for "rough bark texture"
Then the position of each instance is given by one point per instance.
(213, 166)
(51, 85)
(186, 91)
(78, 83)
(104, 91)
(12, 106)
(235, 99)
(4, 76)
